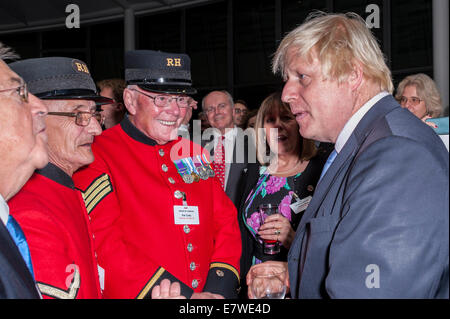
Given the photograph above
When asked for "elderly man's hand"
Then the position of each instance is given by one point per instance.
(167, 290)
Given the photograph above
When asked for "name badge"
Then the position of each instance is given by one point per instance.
(186, 215)
(300, 204)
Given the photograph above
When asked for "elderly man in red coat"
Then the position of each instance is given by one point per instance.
(49, 208)
(157, 210)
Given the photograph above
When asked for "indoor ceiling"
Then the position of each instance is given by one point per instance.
(25, 15)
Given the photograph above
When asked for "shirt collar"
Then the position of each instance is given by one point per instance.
(351, 124)
(229, 133)
(4, 210)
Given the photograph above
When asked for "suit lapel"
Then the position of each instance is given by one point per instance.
(351, 147)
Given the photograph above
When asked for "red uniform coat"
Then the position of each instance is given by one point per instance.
(130, 192)
(52, 215)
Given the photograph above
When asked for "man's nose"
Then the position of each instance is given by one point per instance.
(37, 106)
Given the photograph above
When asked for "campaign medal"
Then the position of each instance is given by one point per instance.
(200, 168)
(183, 171)
(191, 167)
(207, 166)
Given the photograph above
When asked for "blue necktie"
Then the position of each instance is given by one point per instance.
(19, 238)
(328, 163)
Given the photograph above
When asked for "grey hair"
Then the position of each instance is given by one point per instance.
(6, 53)
(230, 98)
(426, 90)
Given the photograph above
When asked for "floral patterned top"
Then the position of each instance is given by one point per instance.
(269, 189)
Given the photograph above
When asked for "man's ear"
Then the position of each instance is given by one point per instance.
(129, 101)
(356, 76)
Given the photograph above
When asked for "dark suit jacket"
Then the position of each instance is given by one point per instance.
(244, 152)
(378, 224)
(16, 281)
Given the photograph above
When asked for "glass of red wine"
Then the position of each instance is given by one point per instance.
(271, 247)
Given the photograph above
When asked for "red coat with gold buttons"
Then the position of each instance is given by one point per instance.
(130, 192)
(52, 215)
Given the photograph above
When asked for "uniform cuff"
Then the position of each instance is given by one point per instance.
(160, 274)
(223, 279)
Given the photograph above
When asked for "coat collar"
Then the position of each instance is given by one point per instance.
(57, 175)
(136, 134)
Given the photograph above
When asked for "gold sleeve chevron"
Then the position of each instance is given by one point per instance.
(95, 192)
(58, 293)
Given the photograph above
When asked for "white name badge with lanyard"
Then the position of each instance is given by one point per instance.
(300, 204)
(186, 215)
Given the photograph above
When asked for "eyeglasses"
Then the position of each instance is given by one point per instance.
(414, 100)
(82, 118)
(165, 100)
(211, 109)
(22, 90)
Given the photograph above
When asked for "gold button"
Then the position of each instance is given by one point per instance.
(186, 229)
(190, 247)
(192, 266)
(219, 273)
(164, 167)
(161, 152)
(171, 180)
(194, 283)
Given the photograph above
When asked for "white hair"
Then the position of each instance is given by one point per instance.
(337, 40)
(6, 53)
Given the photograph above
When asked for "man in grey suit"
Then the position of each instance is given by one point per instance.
(378, 223)
(239, 147)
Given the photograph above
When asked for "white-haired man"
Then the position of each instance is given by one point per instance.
(377, 226)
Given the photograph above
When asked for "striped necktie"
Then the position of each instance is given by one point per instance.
(19, 239)
(328, 163)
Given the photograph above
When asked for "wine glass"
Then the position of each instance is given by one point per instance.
(268, 282)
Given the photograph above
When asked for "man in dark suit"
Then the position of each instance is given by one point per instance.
(22, 150)
(378, 223)
(238, 145)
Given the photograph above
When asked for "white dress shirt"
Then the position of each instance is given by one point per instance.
(351, 124)
(4, 210)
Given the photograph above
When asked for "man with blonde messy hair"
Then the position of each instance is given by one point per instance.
(378, 224)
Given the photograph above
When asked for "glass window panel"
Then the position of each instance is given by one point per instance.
(294, 12)
(159, 32)
(206, 44)
(75, 54)
(254, 41)
(412, 37)
(255, 94)
(107, 43)
(359, 7)
(64, 38)
(25, 44)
